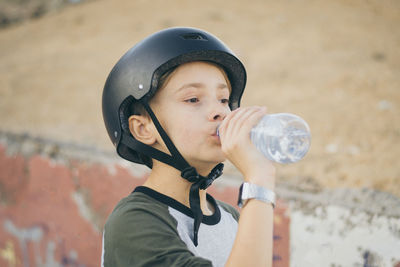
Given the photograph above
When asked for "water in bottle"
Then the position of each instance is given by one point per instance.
(282, 137)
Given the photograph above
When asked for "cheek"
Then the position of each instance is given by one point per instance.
(187, 133)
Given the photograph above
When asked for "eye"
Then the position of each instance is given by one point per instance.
(192, 100)
(225, 101)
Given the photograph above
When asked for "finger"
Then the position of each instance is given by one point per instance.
(238, 123)
(225, 122)
(245, 116)
(253, 120)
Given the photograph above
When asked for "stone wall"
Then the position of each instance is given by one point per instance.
(55, 198)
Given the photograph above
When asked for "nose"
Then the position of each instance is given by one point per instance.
(218, 112)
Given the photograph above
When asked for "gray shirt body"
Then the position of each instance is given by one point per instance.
(150, 229)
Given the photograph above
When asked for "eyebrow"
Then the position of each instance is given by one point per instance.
(200, 85)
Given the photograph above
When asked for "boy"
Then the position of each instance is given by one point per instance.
(167, 104)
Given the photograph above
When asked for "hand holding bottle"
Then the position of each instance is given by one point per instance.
(282, 137)
(236, 144)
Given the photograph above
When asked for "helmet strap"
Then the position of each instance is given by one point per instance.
(181, 163)
(178, 162)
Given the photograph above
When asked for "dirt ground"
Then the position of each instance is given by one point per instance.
(335, 63)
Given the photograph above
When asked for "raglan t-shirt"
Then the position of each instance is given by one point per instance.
(147, 228)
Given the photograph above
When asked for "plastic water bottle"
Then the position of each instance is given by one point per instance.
(282, 137)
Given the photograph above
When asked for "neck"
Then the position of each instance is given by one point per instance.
(168, 181)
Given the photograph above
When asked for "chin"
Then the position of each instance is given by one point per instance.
(203, 166)
(216, 161)
(207, 159)
(219, 156)
(214, 157)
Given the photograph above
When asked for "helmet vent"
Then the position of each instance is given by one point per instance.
(194, 36)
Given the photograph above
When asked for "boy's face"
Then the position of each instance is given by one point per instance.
(192, 104)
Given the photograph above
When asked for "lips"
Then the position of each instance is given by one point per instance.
(215, 133)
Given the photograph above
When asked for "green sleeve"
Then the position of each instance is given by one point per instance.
(145, 235)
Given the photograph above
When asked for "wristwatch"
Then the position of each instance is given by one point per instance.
(248, 191)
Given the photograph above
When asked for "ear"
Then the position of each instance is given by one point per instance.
(141, 128)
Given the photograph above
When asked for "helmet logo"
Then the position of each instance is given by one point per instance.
(194, 36)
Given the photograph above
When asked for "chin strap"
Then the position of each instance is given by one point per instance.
(199, 182)
(178, 162)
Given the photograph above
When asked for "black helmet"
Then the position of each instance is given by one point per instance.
(135, 77)
(137, 74)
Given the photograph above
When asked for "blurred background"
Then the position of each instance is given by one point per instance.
(334, 63)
